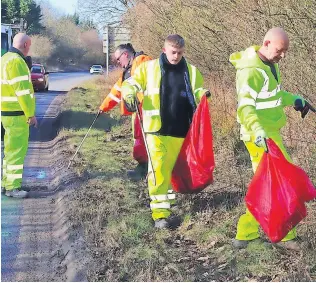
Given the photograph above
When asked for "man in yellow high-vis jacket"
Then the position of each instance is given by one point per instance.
(18, 113)
(260, 112)
(172, 89)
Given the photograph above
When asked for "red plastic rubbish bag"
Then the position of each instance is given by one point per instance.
(194, 167)
(277, 193)
(139, 149)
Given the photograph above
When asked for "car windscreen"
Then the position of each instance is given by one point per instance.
(97, 67)
(4, 43)
(36, 69)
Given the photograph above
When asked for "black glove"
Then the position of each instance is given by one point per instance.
(131, 107)
(298, 106)
(208, 93)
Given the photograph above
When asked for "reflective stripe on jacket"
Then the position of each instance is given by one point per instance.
(260, 98)
(146, 79)
(115, 96)
(17, 93)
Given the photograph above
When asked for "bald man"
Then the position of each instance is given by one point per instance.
(260, 113)
(18, 114)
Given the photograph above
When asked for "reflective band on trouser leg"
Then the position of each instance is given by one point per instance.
(4, 173)
(164, 151)
(171, 193)
(167, 197)
(247, 227)
(15, 148)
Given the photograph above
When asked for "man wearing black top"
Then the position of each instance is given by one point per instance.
(172, 89)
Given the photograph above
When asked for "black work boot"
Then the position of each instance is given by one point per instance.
(172, 222)
(240, 244)
(16, 193)
(289, 245)
(139, 173)
(161, 223)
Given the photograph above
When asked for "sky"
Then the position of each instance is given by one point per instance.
(64, 6)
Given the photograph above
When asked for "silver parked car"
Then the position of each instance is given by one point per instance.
(96, 69)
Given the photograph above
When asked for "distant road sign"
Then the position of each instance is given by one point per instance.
(114, 36)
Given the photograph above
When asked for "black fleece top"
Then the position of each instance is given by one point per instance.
(175, 109)
(127, 71)
(15, 50)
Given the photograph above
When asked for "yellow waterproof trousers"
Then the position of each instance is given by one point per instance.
(164, 151)
(247, 227)
(16, 140)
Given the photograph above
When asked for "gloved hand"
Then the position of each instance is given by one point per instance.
(260, 139)
(303, 106)
(208, 94)
(131, 103)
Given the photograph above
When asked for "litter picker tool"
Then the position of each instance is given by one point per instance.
(304, 110)
(72, 158)
(145, 141)
(312, 108)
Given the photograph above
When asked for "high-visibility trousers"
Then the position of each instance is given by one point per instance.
(164, 151)
(15, 148)
(247, 227)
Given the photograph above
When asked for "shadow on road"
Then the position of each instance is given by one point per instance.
(51, 92)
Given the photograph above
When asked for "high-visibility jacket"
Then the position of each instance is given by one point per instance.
(147, 79)
(115, 96)
(17, 93)
(260, 98)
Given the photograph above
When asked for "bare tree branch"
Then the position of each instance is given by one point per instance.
(104, 11)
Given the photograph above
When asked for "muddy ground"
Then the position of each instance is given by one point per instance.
(37, 241)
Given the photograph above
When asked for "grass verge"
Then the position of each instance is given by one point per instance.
(115, 216)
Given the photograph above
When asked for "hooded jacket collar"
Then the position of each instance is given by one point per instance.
(15, 50)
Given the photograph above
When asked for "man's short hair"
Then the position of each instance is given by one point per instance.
(175, 40)
(127, 47)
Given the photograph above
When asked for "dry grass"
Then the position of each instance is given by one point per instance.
(116, 217)
(215, 29)
(114, 214)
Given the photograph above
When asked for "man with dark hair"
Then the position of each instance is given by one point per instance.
(172, 89)
(129, 60)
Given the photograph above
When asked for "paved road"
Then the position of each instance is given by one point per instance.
(58, 83)
(66, 81)
(30, 248)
